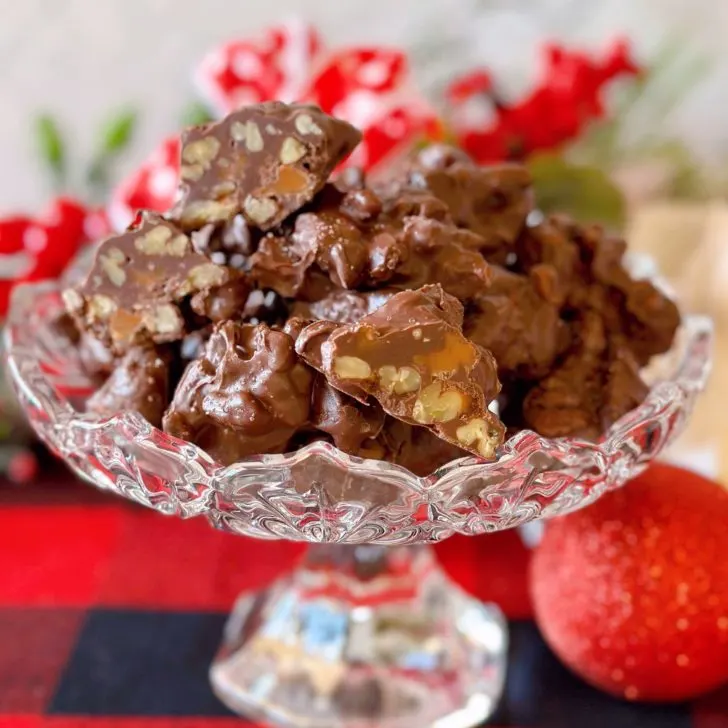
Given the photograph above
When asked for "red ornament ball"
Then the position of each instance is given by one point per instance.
(632, 592)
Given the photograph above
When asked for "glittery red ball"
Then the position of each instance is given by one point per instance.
(632, 592)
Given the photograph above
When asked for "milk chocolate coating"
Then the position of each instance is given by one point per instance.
(263, 162)
(437, 257)
(247, 394)
(376, 316)
(357, 240)
(590, 274)
(652, 320)
(493, 202)
(550, 243)
(517, 325)
(410, 355)
(413, 447)
(133, 292)
(224, 302)
(334, 240)
(310, 337)
(348, 422)
(64, 327)
(139, 382)
(597, 383)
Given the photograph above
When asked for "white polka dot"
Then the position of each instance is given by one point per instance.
(360, 108)
(163, 182)
(295, 59)
(246, 65)
(359, 157)
(94, 226)
(119, 212)
(35, 239)
(268, 41)
(15, 266)
(395, 127)
(244, 96)
(475, 113)
(373, 74)
(166, 153)
(53, 217)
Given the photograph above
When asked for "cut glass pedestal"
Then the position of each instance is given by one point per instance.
(365, 637)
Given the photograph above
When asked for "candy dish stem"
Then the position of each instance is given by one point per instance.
(363, 637)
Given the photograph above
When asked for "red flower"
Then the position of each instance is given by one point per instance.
(36, 249)
(568, 96)
(377, 71)
(276, 65)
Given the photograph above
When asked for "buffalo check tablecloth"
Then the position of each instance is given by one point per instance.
(110, 615)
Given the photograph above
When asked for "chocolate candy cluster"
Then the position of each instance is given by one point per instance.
(414, 319)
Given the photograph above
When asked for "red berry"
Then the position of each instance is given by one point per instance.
(632, 592)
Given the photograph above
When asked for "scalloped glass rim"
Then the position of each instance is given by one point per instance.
(466, 495)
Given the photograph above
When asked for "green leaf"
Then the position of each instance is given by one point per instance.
(196, 114)
(117, 132)
(114, 137)
(51, 146)
(585, 193)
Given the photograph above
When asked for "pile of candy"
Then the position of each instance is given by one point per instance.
(412, 319)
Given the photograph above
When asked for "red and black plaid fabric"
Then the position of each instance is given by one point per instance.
(110, 615)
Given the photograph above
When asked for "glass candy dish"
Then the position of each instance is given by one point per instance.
(368, 631)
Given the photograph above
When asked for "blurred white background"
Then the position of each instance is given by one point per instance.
(81, 59)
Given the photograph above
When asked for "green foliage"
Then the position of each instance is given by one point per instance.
(195, 114)
(117, 132)
(586, 193)
(114, 137)
(51, 147)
